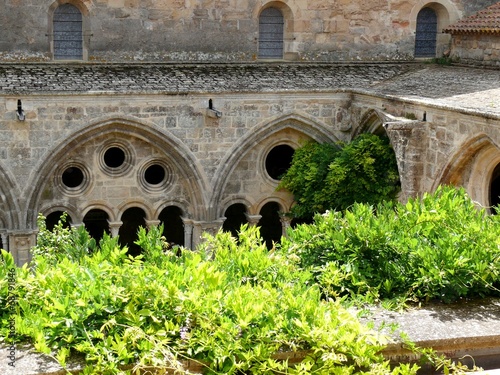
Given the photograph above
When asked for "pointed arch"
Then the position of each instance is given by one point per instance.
(188, 168)
(293, 121)
(371, 122)
(10, 212)
(472, 166)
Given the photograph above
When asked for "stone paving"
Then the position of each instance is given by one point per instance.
(472, 89)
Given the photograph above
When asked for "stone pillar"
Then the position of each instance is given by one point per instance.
(286, 221)
(199, 227)
(114, 227)
(253, 220)
(188, 233)
(20, 243)
(5, 240)
(152, 223)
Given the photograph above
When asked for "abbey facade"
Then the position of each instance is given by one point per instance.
(125, 113)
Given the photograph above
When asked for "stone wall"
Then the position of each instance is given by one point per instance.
(221, 30)
(476, 49)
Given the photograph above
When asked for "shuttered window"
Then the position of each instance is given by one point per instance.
(68, 35)
(271, 34)
(425, 38)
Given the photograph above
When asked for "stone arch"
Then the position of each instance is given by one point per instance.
(298, 123)
(189, 169)
(81, 6)
(10, 212)
(446, 13)
(472, 166)
(135, 203)
(288, 24)
(71, 211)
(371, 122)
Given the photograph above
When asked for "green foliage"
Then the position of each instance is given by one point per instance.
(324, 177)
(233, 306)
(439, 247)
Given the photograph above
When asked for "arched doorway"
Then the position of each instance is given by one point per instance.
(68, 35)
(53, 218)
(271, 229)
(495, 189)
(235, 218)
(173, 226)
(426, 33)
(271, 32)
(132, 219)
(96, 223)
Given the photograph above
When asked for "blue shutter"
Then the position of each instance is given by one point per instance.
(68, 36)
(271, 34)
(425, 38)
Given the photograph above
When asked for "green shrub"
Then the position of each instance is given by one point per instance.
(324, 177)
(233, 306)
(440, 246)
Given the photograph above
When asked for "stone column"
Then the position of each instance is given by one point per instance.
(114, 227)
(152, 223)
(286, 221)
(20, 243)
(5, 240)
(253, 220)
(199, 227)
(188, 233)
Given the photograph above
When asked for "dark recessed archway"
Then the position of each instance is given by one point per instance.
(132, 219)
(270, 224)
(278, 161)
(96, 223)
(495, 188)
(53, 218)
(173, 226)
(235, 218)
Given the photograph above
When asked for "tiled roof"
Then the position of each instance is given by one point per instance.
(486, 21)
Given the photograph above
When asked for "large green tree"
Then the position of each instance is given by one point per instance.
(335, 176)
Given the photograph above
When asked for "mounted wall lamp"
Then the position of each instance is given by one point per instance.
(20, 112)
(211, 111)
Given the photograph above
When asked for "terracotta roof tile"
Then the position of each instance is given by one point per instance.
(486, 21)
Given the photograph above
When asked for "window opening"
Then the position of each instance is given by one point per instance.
(68, 35)
(154, 174)
(278, 161)
(271, 31)
(270, 224)
(96, 223)
(235, 218)
(173, 227)
(72, 177)
(132, 219)
(114, 157)
(426, 33)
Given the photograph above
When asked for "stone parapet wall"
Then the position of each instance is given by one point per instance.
(476, 49)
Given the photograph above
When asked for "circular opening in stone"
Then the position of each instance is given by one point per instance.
(154, 174)
(114, 157)
(278, 161)
(72, 177)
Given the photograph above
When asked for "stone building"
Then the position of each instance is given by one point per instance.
(135, 112)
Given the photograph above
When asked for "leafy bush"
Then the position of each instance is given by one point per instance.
(440, 246)
(233, 306)
(324, 177)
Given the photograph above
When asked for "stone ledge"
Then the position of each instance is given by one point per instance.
(462, 330)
